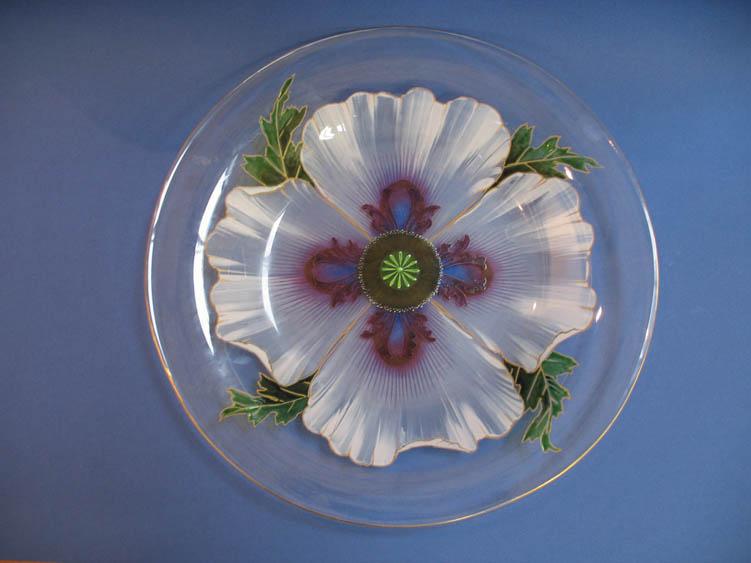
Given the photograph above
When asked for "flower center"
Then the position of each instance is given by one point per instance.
(399, 271)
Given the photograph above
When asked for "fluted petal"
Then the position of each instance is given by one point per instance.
(451, 152)
(453, 394)
(531, 232)
(262, 299)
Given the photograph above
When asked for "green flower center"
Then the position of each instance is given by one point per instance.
(400, 270)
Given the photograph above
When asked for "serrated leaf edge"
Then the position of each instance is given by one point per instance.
(511, 167)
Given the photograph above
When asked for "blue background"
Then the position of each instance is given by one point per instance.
(97, 460)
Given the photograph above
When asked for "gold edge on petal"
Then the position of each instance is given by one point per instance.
(385, 94)
(458, 217)
(587, 252)
(558, 337)
(344, 215)
(485, 192)
(261, 190)
(222, 277)
(338, 340)
(316, 185)
(348, 453)
(438, 442)
(475, 337)
(443, 311)
(226, 216)
(399, 98)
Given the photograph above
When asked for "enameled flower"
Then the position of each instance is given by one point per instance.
(399, 279)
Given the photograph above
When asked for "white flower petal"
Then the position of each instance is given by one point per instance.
(454, 394)
(532, 233)
(452, 151)
(262, 299)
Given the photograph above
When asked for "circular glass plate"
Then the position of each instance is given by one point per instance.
(424, 486)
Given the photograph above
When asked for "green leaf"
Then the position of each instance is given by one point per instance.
(538, 426)
(292, 161)
(274, 160)
(519, 142)
(556, 364)
(241, 398)
(271, 399)
(544, 395)
(263, 170)
(281, 156)
(544, 160)
(547, 445)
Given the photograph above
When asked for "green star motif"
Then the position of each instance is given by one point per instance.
(399, 270)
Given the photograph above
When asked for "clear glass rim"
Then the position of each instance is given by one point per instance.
(149, 264)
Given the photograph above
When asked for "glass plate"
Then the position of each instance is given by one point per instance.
(424, 486)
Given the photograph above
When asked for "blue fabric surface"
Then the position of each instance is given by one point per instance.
(98, 462)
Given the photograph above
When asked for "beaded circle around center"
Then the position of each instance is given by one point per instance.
(399, 271)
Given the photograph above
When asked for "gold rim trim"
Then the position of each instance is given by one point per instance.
(155, 334)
